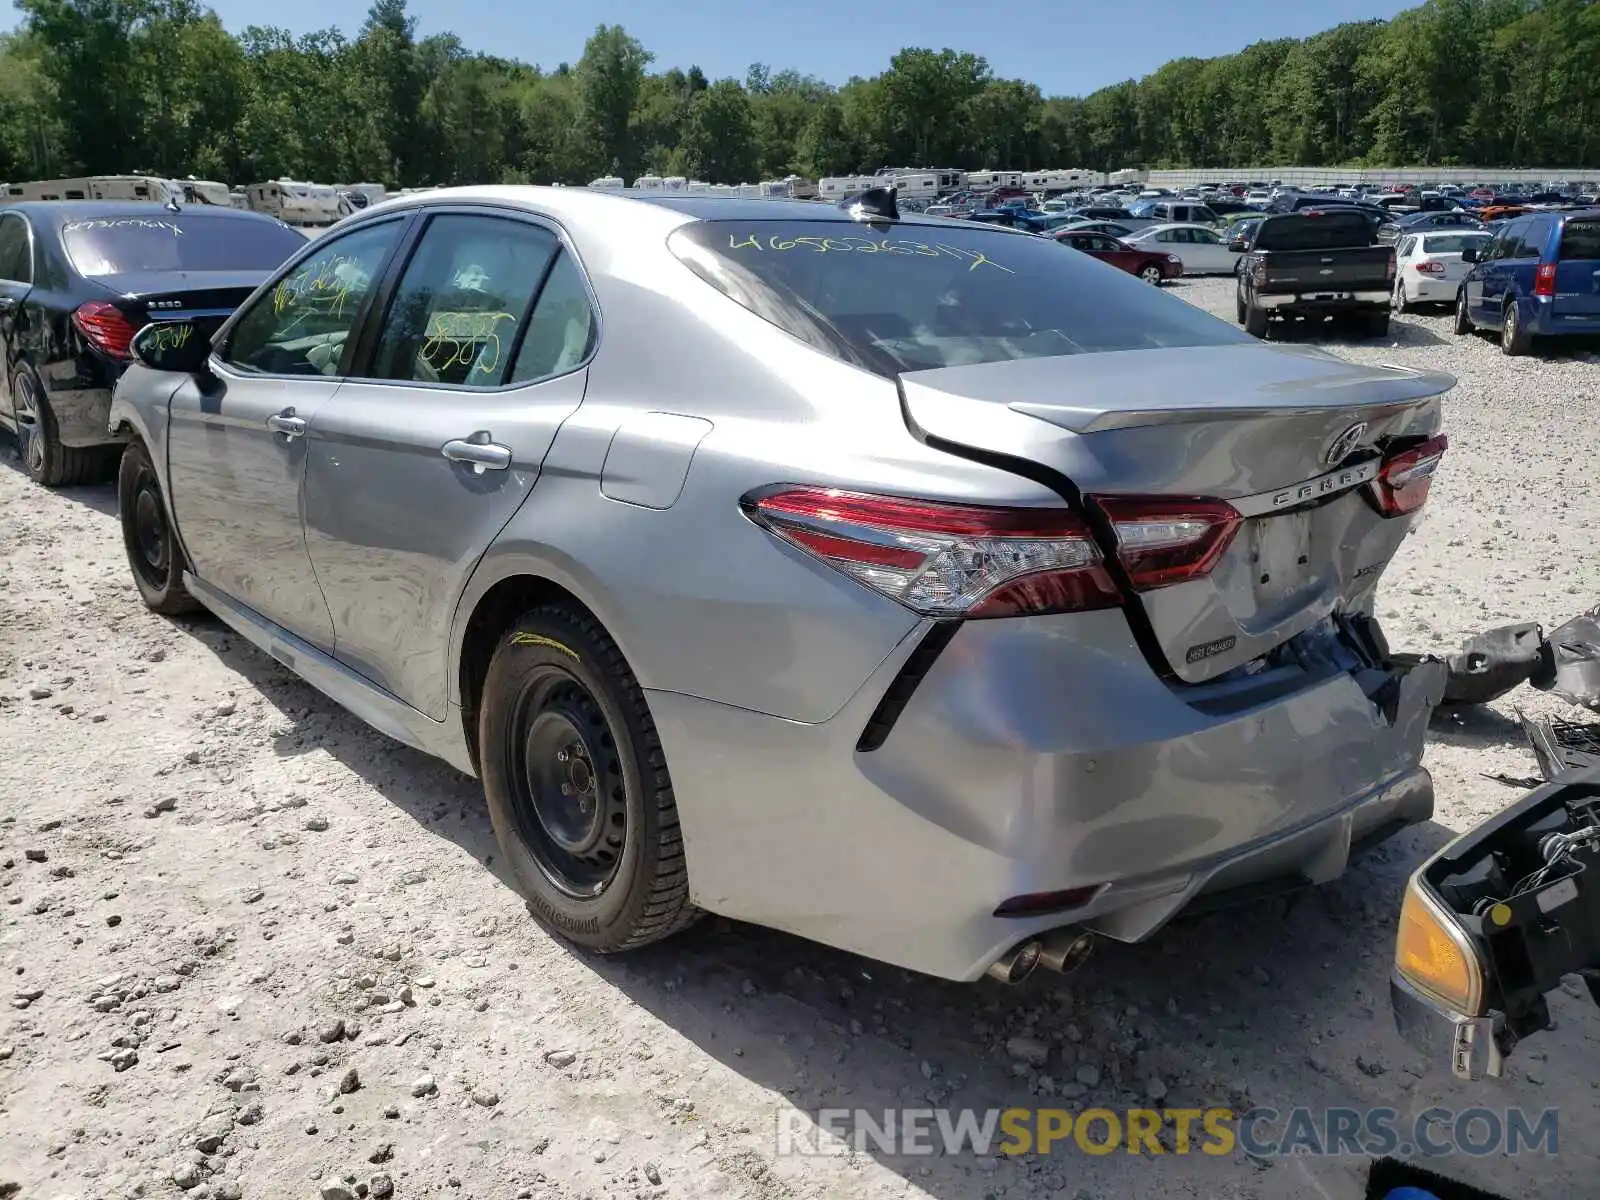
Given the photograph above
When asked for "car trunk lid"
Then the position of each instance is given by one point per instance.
(1289, 436)
(179, 295)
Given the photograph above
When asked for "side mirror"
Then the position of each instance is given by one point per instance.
(171, 346)
(1469, 254)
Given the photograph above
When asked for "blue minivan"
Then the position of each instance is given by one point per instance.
(1540, 277)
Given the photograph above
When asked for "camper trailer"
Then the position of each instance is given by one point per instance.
(96, 187)
(835, 188)
(674, 183)
(294, 202)
(917, 185)
(200, 191)
(751, 191)
(607, 183)
(650, 183)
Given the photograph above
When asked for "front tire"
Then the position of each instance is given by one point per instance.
(154, 556)
(44, 458)
(577, 785)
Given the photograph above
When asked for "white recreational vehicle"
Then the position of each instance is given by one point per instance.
(200, 191)
(607, 183)
(837, 187)
(96, 187)
(751, 191)
(674, 183)
(295, 203)
(987, 181)
(650, 183)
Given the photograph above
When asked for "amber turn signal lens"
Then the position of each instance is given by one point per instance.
(1435, 955)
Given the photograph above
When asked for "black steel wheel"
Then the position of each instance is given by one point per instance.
(577, 784)
(154, 556)
(567, 787)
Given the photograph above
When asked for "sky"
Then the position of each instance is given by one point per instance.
(1068, 47)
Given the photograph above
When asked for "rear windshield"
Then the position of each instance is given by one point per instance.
(1453, 243)
(1319, 231)
(169, 241)
(904, 297)
(1581, 240)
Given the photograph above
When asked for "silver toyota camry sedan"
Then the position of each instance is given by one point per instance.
(918, 587)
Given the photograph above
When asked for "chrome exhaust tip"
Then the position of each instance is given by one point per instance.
(1065, 950)
(1017, 963)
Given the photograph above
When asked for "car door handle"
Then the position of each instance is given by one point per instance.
(287, 424)
(479, 451)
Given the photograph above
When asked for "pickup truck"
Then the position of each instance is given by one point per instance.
(1315, 264)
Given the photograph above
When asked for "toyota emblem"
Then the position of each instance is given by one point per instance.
(1339, 449)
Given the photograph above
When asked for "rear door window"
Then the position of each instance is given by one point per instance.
(910, 296)
(1580, 240)
(464, 295)
(16, 258)
(168, 241)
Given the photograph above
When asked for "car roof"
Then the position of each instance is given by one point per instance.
(1174, 225)
(596, 201)
(59, 212)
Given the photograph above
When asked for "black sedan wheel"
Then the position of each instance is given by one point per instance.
(577, 785)
(154, 556)
(44, 458)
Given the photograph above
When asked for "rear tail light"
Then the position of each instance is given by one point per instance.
(1163, 540)
(1544, 279)
(1403, 481)
(1430, 267)
(1389, 268)
(105, 328)
(945, 560)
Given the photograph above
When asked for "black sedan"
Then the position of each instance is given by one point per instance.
(78, 279)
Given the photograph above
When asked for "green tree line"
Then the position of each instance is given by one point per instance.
(113, 86)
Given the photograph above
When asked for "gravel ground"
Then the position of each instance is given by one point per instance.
(258, 950)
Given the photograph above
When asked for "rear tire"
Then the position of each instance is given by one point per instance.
(1151, 274)
(1514, 338)
(577, 785)
(1255, 321)
(1463, 325)
(1402, 304)
(1377, 323)
(44, 458)
(154, 556)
